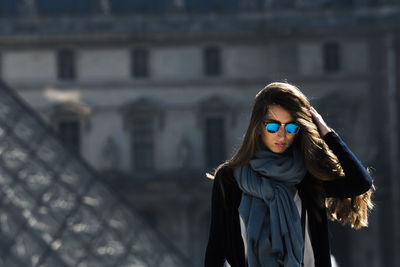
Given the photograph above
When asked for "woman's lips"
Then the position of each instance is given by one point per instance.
(280, 144)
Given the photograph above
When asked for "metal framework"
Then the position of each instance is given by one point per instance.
(56, 211)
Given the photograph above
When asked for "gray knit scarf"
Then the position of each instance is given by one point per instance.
(273, 226)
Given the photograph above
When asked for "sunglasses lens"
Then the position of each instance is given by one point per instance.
(272, 127)
(292, 128)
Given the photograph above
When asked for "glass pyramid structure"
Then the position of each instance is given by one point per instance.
(55, 211)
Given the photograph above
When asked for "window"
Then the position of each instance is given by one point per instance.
(142, 143)
(66, 65)
(69, 120)
(69, 131)
(331, 55)
(212, 61)
(140, 63)
(67, 7)
(214, 141)
(215, 113)
(143, 118)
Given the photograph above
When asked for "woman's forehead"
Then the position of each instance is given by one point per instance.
(277, 113)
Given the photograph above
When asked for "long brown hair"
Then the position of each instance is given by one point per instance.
(320, 162)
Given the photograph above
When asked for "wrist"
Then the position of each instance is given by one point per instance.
(323, 133)
(323, 130)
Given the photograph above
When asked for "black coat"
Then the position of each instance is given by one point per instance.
(225, 239)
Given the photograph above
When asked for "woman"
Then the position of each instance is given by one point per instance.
(271, 200)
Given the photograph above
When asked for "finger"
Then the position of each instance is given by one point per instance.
(313, 111)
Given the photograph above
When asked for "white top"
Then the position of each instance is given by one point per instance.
(308, 252)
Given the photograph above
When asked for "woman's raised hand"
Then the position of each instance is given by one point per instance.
(319, 121)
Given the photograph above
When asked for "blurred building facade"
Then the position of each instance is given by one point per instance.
(155, 93)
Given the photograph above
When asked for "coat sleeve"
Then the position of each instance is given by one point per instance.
(357, 179)
(215, 252)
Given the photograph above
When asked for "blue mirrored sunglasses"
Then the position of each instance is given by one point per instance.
(273, 127)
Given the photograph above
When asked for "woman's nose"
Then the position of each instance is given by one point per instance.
(281, 131)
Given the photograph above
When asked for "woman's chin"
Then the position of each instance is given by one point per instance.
(278, 150)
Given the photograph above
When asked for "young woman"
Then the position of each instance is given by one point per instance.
(271, 200)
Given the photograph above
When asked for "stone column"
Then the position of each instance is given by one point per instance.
(393, 139)
(379, 110)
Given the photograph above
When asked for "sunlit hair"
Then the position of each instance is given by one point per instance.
(319, 159)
